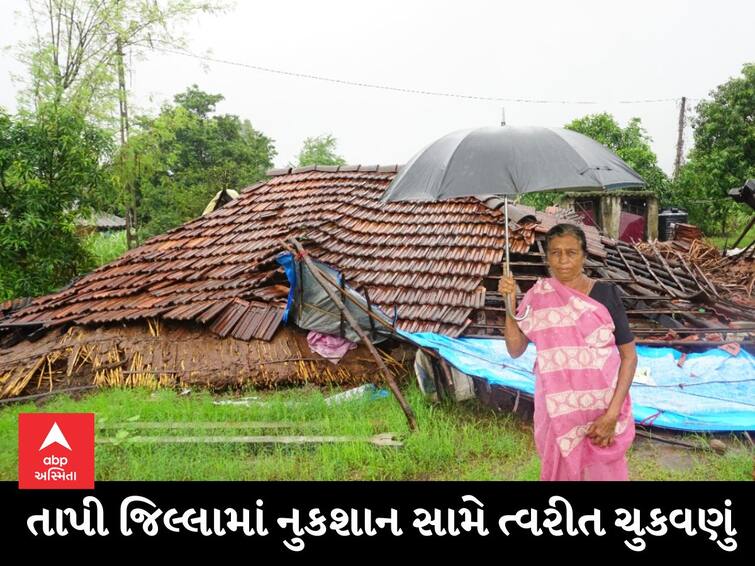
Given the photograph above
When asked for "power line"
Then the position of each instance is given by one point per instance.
(394, 88)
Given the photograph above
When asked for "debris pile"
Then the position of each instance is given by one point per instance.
(731, 276)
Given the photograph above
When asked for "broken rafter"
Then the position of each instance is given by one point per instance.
(684, 264)
(655, 276)
(657, 272)
(668, 268)
(712, 288)
(626, 264)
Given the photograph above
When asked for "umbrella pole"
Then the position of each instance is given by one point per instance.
(507, 266)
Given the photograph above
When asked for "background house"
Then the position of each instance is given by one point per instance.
(626, 215)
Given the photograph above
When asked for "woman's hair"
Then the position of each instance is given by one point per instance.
(567, 230)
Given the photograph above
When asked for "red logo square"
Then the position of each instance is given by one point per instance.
(56, 451)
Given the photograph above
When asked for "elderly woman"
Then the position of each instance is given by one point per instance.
(586, 359)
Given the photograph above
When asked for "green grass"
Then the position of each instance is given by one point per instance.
(462, 441)
(105, 246)
(720, 241)
(649, 460)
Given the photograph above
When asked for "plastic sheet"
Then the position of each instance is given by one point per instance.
(713, 391)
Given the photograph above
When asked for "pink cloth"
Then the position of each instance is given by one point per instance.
(576, 372)
(329, 346)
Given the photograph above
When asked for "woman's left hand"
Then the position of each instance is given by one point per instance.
(602, 430)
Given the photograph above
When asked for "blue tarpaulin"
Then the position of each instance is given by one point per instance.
(712, 391)
(286, 260)
(310, 307)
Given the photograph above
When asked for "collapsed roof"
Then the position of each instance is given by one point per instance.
(427, 259)
(433, 265)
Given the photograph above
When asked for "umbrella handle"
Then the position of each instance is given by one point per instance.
(506, 266)
(513, 314)
(524, 315)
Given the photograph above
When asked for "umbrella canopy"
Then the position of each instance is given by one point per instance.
(510, 160)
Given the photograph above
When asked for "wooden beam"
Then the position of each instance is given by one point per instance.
(668, 268)
(650, 269)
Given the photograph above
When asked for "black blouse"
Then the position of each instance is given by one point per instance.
(608, 295)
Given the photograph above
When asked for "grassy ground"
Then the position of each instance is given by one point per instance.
(463, 441)
(720, 241)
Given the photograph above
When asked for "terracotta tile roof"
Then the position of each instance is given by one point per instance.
(427, 260)
(429, 263)
(529, 219)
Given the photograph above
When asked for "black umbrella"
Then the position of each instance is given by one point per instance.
(509, 160)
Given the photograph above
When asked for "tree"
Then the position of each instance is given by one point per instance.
(181, 158)
(75, 54)
(50, 171)
(320, 150)
(77, 57)
(723, 156)
(631, 143)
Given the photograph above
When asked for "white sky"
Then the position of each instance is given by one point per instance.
(599, 51)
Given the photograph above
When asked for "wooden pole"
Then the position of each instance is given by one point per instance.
(324, 283)
(679, 161)
(744, 232)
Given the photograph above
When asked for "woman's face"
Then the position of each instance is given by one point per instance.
(565, 257)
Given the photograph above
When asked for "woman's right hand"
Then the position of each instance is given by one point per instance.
(507, 286)
(516, 341)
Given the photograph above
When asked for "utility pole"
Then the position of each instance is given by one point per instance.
(123, 108)
(679, 161)
(503, 116)
(127, 185)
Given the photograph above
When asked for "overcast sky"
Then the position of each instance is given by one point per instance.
(603, 52)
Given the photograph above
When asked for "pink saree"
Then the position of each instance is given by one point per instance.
(576, 372)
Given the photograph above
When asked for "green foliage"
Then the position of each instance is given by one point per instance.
(727, 241)
(541, 200)
(72, 55)
(320, 150)
(50, 170)
(631, 143)
(722, 158)
(104, 247)
(180, 159)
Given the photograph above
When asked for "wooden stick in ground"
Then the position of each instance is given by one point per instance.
(317, 274)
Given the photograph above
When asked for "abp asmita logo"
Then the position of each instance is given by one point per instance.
(56, 450)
